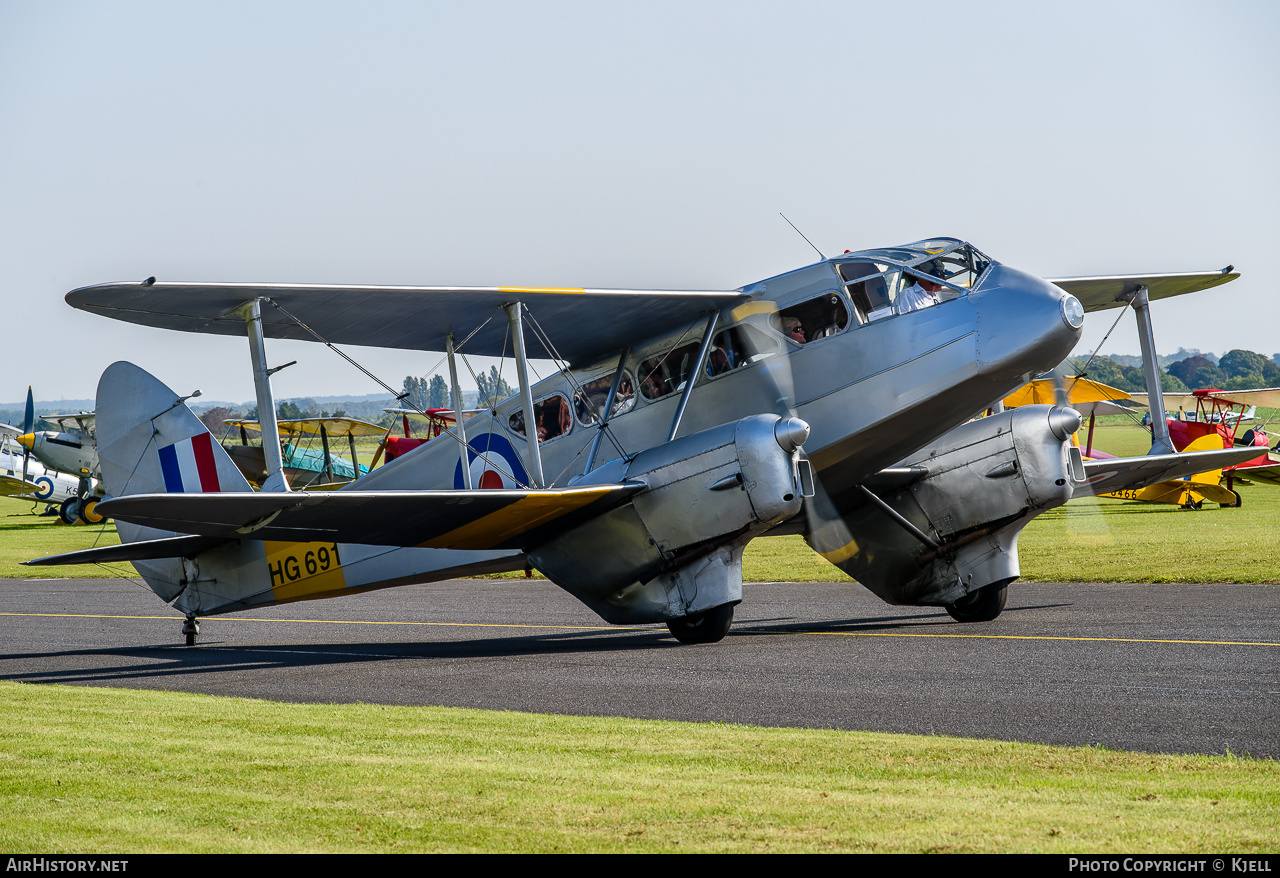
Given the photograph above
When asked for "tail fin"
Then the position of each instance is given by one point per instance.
(149, 442)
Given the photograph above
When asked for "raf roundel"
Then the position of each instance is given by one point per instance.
(493, 464)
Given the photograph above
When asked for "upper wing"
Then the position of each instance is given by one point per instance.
(311, 426)
(1128, 473)
(1114, 291)
(427, 519)
(83, 421)
(584, 325)
(1268, 397)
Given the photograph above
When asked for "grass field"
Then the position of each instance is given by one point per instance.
(92, 770)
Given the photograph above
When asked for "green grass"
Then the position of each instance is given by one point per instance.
(90, 769)
(26, 534)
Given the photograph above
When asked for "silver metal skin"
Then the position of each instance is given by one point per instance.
(981, 484)
(870, 394)
(675, 550)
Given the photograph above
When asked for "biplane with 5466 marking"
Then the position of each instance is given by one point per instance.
(830, 401)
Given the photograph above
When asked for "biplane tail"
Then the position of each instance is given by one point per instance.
(149, 442)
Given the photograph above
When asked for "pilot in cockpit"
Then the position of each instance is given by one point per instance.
(922, 294)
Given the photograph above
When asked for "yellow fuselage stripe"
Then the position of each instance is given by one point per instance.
(522, 515)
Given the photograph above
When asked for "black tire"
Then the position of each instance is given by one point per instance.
(982, 605)
(69, 511)
(1236, 505)
(708, 627)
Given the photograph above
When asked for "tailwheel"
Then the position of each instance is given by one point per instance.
(708, 627)
(982, 605)
(191, 628)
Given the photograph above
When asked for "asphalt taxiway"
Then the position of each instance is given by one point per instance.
(1159, 668)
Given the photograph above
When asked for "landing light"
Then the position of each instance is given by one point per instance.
(1072, 311)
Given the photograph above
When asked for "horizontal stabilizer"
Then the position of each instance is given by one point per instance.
(1131, 473)
(1115, 291)
(483, 519)
(146, 550)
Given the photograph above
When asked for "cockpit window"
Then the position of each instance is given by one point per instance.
(931, 272)
(960, 267)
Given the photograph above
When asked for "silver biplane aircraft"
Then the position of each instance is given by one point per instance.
(830, 401)
(70, 449)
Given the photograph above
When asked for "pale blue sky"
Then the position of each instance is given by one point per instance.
(594, 144)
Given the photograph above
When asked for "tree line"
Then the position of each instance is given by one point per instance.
(1237, 370)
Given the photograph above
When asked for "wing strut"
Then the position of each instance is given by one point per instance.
(1160, 441)
(898, 519)
(251, 313)
(607, 411)
(693, 376)
(526, 395)
(456, 393)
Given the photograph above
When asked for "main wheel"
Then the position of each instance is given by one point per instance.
(69, 511)
(1236, 505)
(89, 513)
(708, 627)
(982, 605)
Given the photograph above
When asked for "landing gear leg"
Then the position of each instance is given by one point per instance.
(191, 628)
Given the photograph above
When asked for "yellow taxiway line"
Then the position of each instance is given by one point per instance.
(634, 628)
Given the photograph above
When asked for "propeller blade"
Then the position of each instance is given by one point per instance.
(28, 425)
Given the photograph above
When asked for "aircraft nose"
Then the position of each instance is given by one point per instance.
(27, 440)
(1025, 324)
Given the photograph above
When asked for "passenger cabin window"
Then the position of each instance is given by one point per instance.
(551, 416)
(663, 375)
(736, 347)
(589, 401)
(817, 318)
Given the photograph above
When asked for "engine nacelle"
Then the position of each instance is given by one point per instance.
(971, 493)
(675, 548)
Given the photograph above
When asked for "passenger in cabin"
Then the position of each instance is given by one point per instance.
(626, 396)
(835, 316)
(793, 329)
(655, 385)
(922, 294)
(553, 418)
(718, 362)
